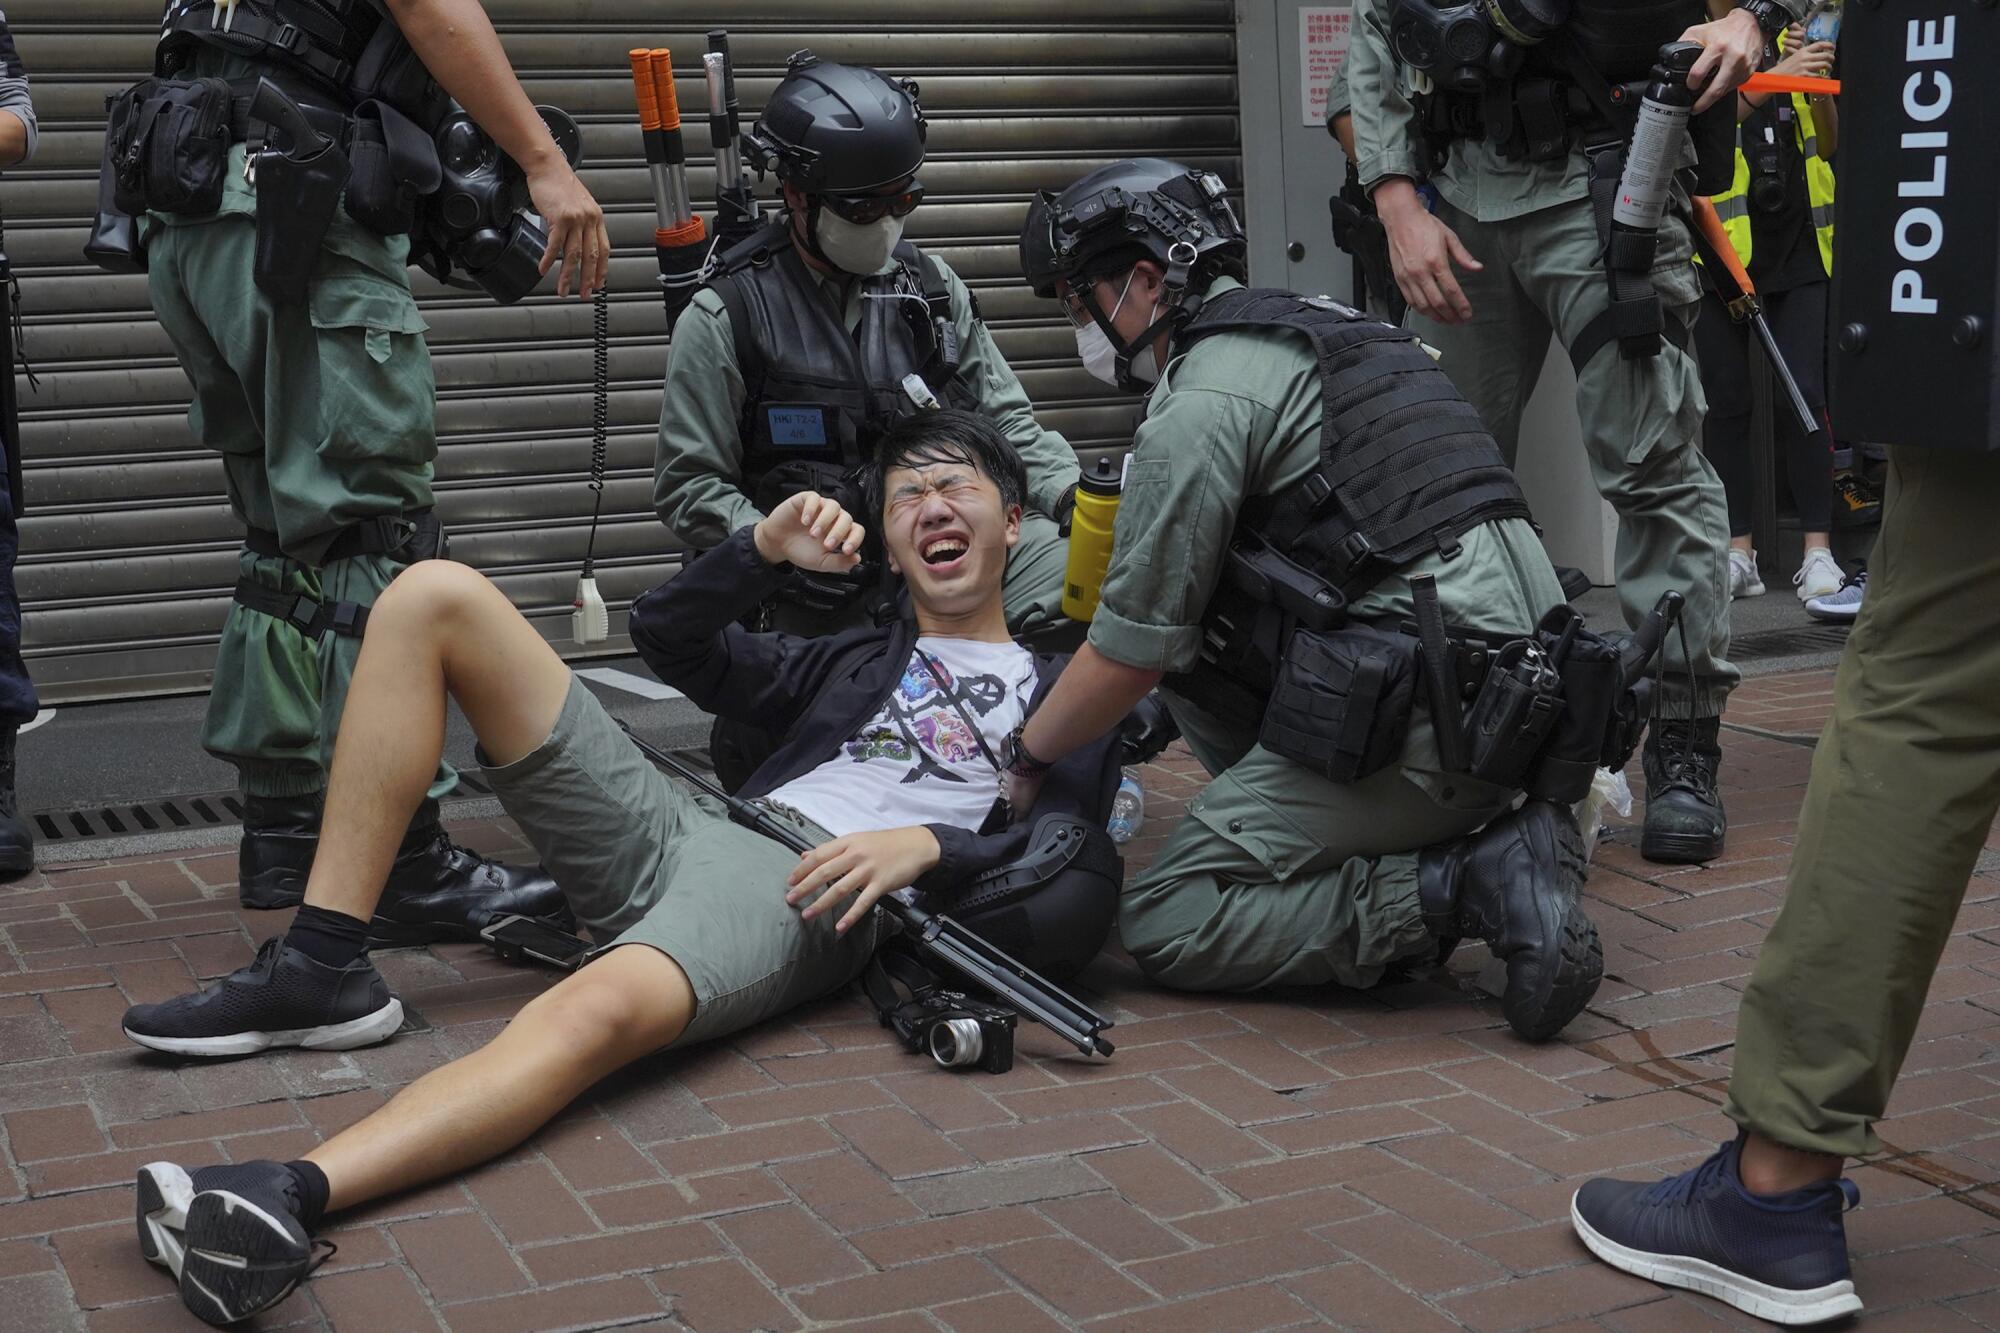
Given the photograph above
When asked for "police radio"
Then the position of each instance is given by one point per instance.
(1914, 290)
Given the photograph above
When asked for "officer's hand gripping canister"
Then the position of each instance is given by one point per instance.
(1097, 495)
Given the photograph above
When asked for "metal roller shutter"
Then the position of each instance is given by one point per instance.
(128, 548)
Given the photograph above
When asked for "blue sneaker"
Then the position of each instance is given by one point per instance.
(1781, 1257)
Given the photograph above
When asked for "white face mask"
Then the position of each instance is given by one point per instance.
(1100, 357)
(860, 249)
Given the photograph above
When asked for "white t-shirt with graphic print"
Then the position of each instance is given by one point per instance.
(915, 762)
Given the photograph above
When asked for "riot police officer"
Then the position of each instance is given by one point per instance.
(1524, 143)
(323, 404)
(1314, 862)
(815, 334)
(17, 692)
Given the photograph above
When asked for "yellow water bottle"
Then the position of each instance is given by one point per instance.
(1090, 537)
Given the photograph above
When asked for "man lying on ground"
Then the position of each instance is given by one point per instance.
(887, 769)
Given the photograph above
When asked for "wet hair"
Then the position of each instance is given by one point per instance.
(948, 436)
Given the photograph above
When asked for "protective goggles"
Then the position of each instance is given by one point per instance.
(862, 209)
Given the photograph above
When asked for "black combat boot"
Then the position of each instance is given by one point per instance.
(1514, 884)
(276, 854)
(1685, 822)
(17, 840)
(438, 890)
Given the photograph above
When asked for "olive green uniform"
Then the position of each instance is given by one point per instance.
(1530, 225)
(1278, 876)
(324, 414)
(1905, 784)
(698, 471)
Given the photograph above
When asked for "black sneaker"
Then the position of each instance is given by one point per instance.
(1685, 821)
(1856, 502)
(438, 890)
(230, 1234)
(1514, 884)
(283, 998)
(1781, 1257)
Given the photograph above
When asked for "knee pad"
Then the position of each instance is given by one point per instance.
(1052, 909)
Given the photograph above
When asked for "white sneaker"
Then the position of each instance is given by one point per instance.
(1844, 604)
(1743, 577)
(1819, 576)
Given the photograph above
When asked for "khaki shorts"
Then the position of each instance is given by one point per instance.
(644, 860)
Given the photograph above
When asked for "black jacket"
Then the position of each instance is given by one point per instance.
(820, 692)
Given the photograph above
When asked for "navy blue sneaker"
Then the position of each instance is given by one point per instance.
(1781, 1257)
(230, 1235)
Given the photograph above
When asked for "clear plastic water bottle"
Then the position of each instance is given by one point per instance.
(1128, 810)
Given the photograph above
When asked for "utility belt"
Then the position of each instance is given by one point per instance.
(416, 535)
(1539, 711)
(166, 149)
(1533, 119)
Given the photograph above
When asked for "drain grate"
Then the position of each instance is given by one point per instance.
(1791, 641)
(210, 810)
(215, 809)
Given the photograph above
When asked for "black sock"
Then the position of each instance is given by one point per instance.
(312, 1193)
(333, 938)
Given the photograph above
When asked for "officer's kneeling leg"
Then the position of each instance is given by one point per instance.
(1051, 909)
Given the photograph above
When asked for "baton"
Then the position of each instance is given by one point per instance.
(1810, 85)
(934, 936)
(679, 238)
(1720, 257)
(653, 131)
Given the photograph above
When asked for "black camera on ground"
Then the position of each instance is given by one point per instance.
(959, 1032)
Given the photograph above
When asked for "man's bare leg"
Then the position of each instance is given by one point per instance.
(440, 628)
(626, 1005)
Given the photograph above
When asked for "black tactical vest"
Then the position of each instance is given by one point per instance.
(347, 50)
(815, 393)
(1405, 468)
(1621, 38)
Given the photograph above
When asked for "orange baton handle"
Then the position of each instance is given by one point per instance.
(642, 86)
(661, 63)
(1790, 83)
(1712, 231)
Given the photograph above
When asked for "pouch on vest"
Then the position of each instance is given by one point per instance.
(1341, 702)
(1593, 684)
(1517, 706)
(167, 142)
(391, 165)
(114, 243)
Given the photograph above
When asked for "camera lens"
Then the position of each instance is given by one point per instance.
(956, 1042)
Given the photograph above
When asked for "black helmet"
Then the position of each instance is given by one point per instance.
(1178, 215)
(840, 129)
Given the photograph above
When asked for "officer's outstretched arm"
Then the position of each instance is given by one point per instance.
(457, 44)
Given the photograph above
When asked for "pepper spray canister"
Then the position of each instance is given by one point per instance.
(1647, 181)
(1097, 494)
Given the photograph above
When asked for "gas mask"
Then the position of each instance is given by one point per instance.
(1462, 46)
(481, 218)
(1100, 355)
(853, 247)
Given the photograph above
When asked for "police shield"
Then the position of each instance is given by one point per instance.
(1918, 226)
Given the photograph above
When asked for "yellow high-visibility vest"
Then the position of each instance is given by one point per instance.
(1733, 204)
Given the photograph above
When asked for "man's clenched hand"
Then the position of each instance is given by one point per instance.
(812, 532)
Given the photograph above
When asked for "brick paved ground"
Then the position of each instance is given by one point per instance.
(1390, 1160)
